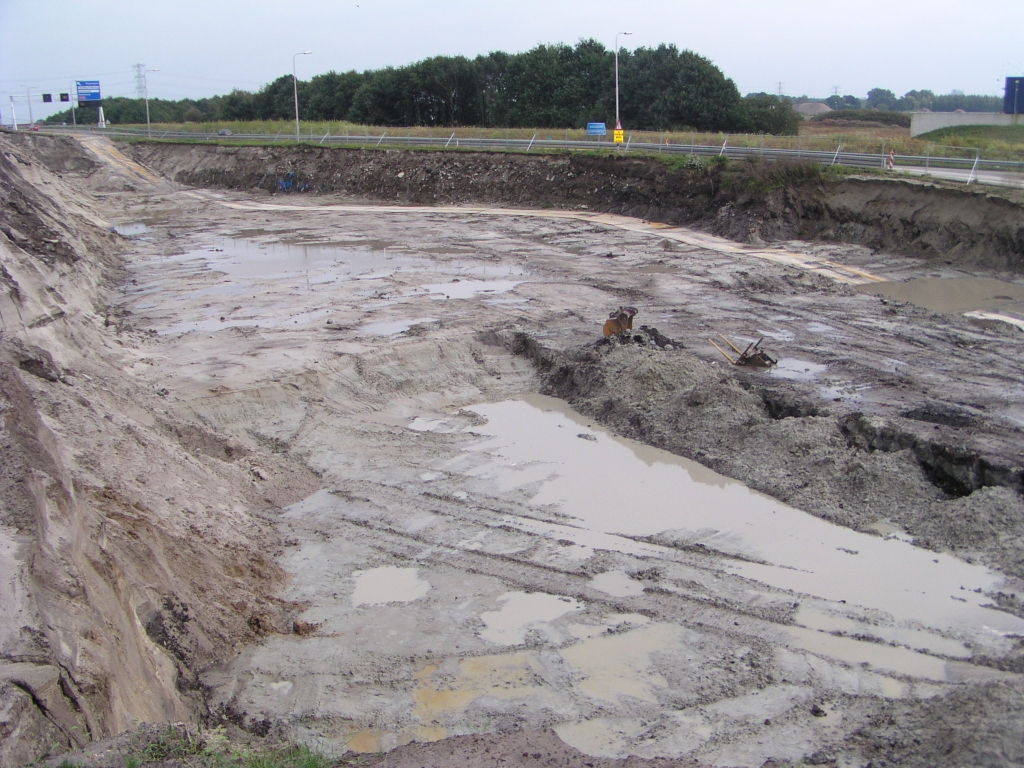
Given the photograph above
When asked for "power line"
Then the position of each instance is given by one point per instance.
(60, 78)
(140, 80)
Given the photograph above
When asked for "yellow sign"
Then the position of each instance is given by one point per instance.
(619, 136)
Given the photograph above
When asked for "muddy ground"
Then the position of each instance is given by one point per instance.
(277, 462)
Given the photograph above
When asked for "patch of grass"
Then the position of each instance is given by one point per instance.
(1003, 141)
(880, 117)
(761, 177)
(1009, 133)
(183, 745)
(995, 142)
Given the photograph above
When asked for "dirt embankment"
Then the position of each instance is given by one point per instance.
(120, 577)
(744, 201)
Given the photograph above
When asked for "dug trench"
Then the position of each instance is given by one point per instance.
(275, 461)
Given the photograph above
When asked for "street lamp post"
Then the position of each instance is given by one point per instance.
(295, 86)
(145, 91)
(618, 123)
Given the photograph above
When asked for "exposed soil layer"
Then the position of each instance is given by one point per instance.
(134, 543)
(745, 201)
(246, 480)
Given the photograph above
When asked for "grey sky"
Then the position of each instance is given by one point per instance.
(206, 47)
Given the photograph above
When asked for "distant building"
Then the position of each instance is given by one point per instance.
(1013, 102)
(808, 109)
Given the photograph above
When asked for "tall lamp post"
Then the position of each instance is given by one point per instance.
(145, 91)
(295, 86)
(618, 124)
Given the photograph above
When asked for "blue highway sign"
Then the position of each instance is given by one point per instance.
(88, 90)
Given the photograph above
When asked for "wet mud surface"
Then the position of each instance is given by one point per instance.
(747, 201)
(677, 561)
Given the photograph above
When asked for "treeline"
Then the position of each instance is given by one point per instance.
(124, 111)
(550, 86)
(913, 101)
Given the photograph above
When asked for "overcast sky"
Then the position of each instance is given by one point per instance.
(206, 47)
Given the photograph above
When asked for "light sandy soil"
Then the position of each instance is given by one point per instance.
(459, 556)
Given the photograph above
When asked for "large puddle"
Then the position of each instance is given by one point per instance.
(960, 294)
(241, 268)
(615, 490)
(246, 260)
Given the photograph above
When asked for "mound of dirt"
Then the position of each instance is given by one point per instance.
(744, 201)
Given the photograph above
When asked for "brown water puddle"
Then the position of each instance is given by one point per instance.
(537, 444)
(959, 294)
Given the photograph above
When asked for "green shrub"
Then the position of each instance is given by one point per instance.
(884, 117)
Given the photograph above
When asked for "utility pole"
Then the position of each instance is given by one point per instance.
(28, 100)
(295, 87)
(145, 87)
(618, 123)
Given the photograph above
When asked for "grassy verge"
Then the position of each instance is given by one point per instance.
(1000, 144)
(1003, 141)
(185, 746)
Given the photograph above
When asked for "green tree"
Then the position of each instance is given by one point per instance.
(238, 105)
(276, 100)
(385, 99)
(767, 113)
(664, 88)
(445, 91)
(495, 91)
(881, 98)
(331, 95)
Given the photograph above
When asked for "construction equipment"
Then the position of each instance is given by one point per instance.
(620, 321)
(752, 355)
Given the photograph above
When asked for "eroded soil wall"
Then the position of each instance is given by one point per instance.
(133, 545)
(744, 201)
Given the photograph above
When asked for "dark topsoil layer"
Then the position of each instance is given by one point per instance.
(747, 201)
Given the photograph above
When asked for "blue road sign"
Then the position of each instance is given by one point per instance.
(88, 90)
(596, 129)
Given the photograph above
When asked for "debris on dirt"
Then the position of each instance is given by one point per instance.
(752, 356)
(33, 359)
(304, 628)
